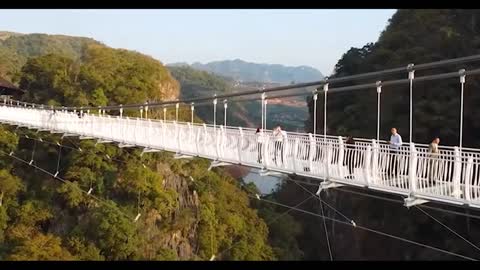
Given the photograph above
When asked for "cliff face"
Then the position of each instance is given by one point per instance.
(170, 90)
(183, 236)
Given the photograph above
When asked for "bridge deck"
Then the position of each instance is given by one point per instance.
(452, 176)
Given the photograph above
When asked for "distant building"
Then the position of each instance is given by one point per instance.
(9, 91)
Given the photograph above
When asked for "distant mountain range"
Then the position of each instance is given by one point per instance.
(244, 71)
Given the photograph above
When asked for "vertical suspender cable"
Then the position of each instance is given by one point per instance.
(263, 98)
(225, 113)
(462, 83)
(379, 91)
(315, 97)
(265, 113)
(325, 90)
(215, 115)
(164, 114)
(411, 76)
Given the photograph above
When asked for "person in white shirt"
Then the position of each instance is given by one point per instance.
(395, 144)
(279, 137)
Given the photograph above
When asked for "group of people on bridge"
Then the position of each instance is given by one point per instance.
(279, 137)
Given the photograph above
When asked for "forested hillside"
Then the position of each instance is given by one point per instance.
(412, 36)
(15, 49)
(186, 212)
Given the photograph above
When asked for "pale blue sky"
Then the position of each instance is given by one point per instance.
(316, 38)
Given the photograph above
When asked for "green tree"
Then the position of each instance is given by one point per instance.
(113, 232)
(41, 248)
(9, 186)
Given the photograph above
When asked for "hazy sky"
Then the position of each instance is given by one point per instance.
(316, 38)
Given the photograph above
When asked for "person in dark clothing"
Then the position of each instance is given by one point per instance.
(259, 135)
(350, 154)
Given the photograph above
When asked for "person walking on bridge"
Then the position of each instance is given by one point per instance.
(259, 135)
(350, 156)
(395, 144)
(280, 137)
(434, 162)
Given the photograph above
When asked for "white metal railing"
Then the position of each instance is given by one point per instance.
(451, 176)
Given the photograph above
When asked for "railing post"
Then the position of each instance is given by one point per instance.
(368, 157)
(191, 136)
(375, 162)
(205, 134)
(311, 152)
(149, 133)
(121, 110)
(328, 159)
(177, 135)
(192, 108)
(283, 151)
(135, 131)
(240, 144)
(265, 154)
(224, 141)
(197, 140)
(457, 171)
(295, 154)
(176, 111)
(412, 172)
(341, 154)
(468, 179)
(163, 134)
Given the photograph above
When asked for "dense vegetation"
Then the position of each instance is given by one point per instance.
(187, 212)
(16, 49)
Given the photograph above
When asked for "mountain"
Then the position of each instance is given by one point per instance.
(244, 71)
(197, 83)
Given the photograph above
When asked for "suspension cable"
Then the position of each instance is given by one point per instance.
(325, 227)
(448, 228)
(267, 223)
(373, 231)
(58, 159)
(62, 180)
(33, 152)
(323, 202)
